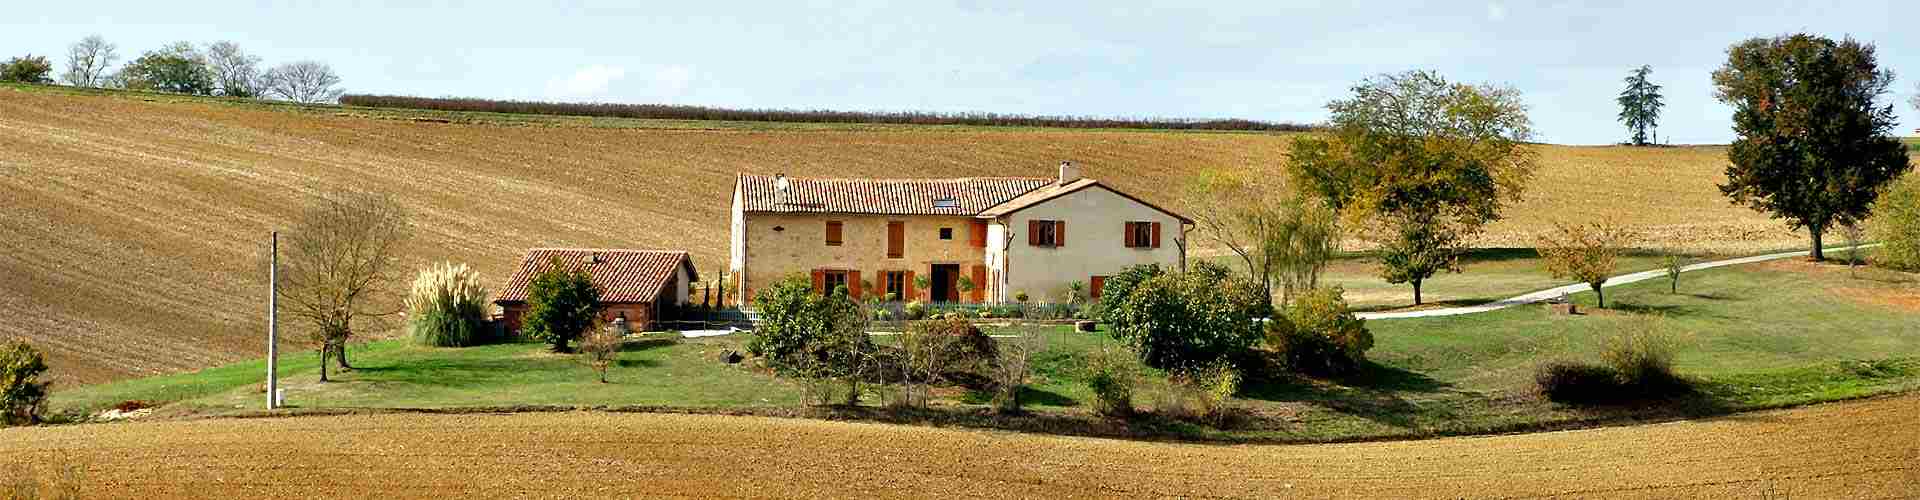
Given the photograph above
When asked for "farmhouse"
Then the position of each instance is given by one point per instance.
(641, 286)
(977, 239)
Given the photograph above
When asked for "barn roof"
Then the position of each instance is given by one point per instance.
(960, 197)
(623, 276)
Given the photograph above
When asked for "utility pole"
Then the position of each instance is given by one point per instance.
(273, 327)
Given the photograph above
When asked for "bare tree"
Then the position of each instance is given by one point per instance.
(88, 60)
(235, 72)
(308, 82)
(338, 269)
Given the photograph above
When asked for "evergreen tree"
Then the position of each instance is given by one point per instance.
(1640, 106)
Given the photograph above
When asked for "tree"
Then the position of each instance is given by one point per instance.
(1855, 234)
(1896, 225)
(1422, 163)
(562, 303)
(1640, 106)
(1673, 264)
(601, 346)
(338, 274)
(22, 394)
(28, 69)
(235, 73)
(1814, 146)
(1584, 252)
(1189, 320)
(1305, 236)
(176, 68)
(88, 60)
(307, 82)
(1277, 235)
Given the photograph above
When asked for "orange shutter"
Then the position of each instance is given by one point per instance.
(896, 239)
(977, 234)
(819, 282)
(833, 233)
(853, 284)
(1126, 237)
(1156, 235)
(907, 288)
(1059, 233)
(979, 284)
(1093, 290)
(1033, 233)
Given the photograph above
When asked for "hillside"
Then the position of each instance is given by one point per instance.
(135, 225)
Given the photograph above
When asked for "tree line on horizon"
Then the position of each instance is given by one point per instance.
(217, 69)
(690, 112)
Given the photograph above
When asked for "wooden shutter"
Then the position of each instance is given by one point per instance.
(1126, 237)
(906, 289)
(977, 233)
(979, 284)
(819, 282)
(1033, 233)
(1093, 290)
(853, 284)
(833, 233)
(1156, 234)
(1059, 233)
(896, 239)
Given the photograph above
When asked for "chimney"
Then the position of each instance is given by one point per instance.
(1068, 172)
(780, 182)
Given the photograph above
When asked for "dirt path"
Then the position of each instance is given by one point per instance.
(1866, 449)
(1550, 293)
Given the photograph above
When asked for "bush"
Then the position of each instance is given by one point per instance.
(1013, 366)
(1320, 335)
(29, 69)
(795, 322)
(1201, 395)
(1642, 354)
(601, 346)
(1896, 224)
(22, 395)
(1189, 319)
(1637, 364)
(1111, 375)
(1115, 289)
(1569, 382)
(916, 310)
(562, 303)
(447, 307)
(951, 349)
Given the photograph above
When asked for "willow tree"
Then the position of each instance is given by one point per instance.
(1815, 145)
(1420, 165)
(1640, 105)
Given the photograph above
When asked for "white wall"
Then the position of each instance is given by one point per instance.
(1095, 245)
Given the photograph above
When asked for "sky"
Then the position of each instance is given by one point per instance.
(1262, 60)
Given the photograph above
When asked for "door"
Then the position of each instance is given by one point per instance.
(945, 279)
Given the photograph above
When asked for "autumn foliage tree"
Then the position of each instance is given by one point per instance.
(1588, 253)
(1815, 145)
(1420, 164)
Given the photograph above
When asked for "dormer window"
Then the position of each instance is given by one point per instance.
(946, 203)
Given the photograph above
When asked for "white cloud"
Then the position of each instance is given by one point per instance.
(591, 81)
(1496, 12)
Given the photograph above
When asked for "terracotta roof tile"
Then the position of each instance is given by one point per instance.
(621, 275)
(969, 195)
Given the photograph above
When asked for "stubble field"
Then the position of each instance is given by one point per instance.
(135, 225)
(1861, 449)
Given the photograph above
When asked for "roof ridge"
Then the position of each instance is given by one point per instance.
(906, 179)
(583, 249)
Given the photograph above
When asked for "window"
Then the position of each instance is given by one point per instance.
(946, 233)
(896, 239)
(946, 203)
(897, 284)
(1143, 235)
(833, 233)
(1047, 233)
(833, 280)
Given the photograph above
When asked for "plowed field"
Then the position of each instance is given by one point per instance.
(1864, 449)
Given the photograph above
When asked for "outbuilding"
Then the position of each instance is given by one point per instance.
(644, 287)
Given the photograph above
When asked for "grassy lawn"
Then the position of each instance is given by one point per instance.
(1754, 336)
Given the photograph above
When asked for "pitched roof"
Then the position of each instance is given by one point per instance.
(621, 275)
(968, 195)
(1052, 191)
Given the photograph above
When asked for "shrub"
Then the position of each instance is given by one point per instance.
(447, 307)
(1116, 288)
(1569, 382)
(22, 394)
(1642, 354)
(29, 69)
(1673, 265)
(601, 346)
(1320, 335)
(1896, 224)
(951, 349)
(1013, 366)
(916, 310)
(1201, 395)
(1189, 319)
(797, 323)
(1111, 375)
(562, 303)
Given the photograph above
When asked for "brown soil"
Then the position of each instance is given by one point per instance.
(1861, 449)
(1866, 285)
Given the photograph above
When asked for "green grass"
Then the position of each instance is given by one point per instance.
(1754, 336)
(1486, 275)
